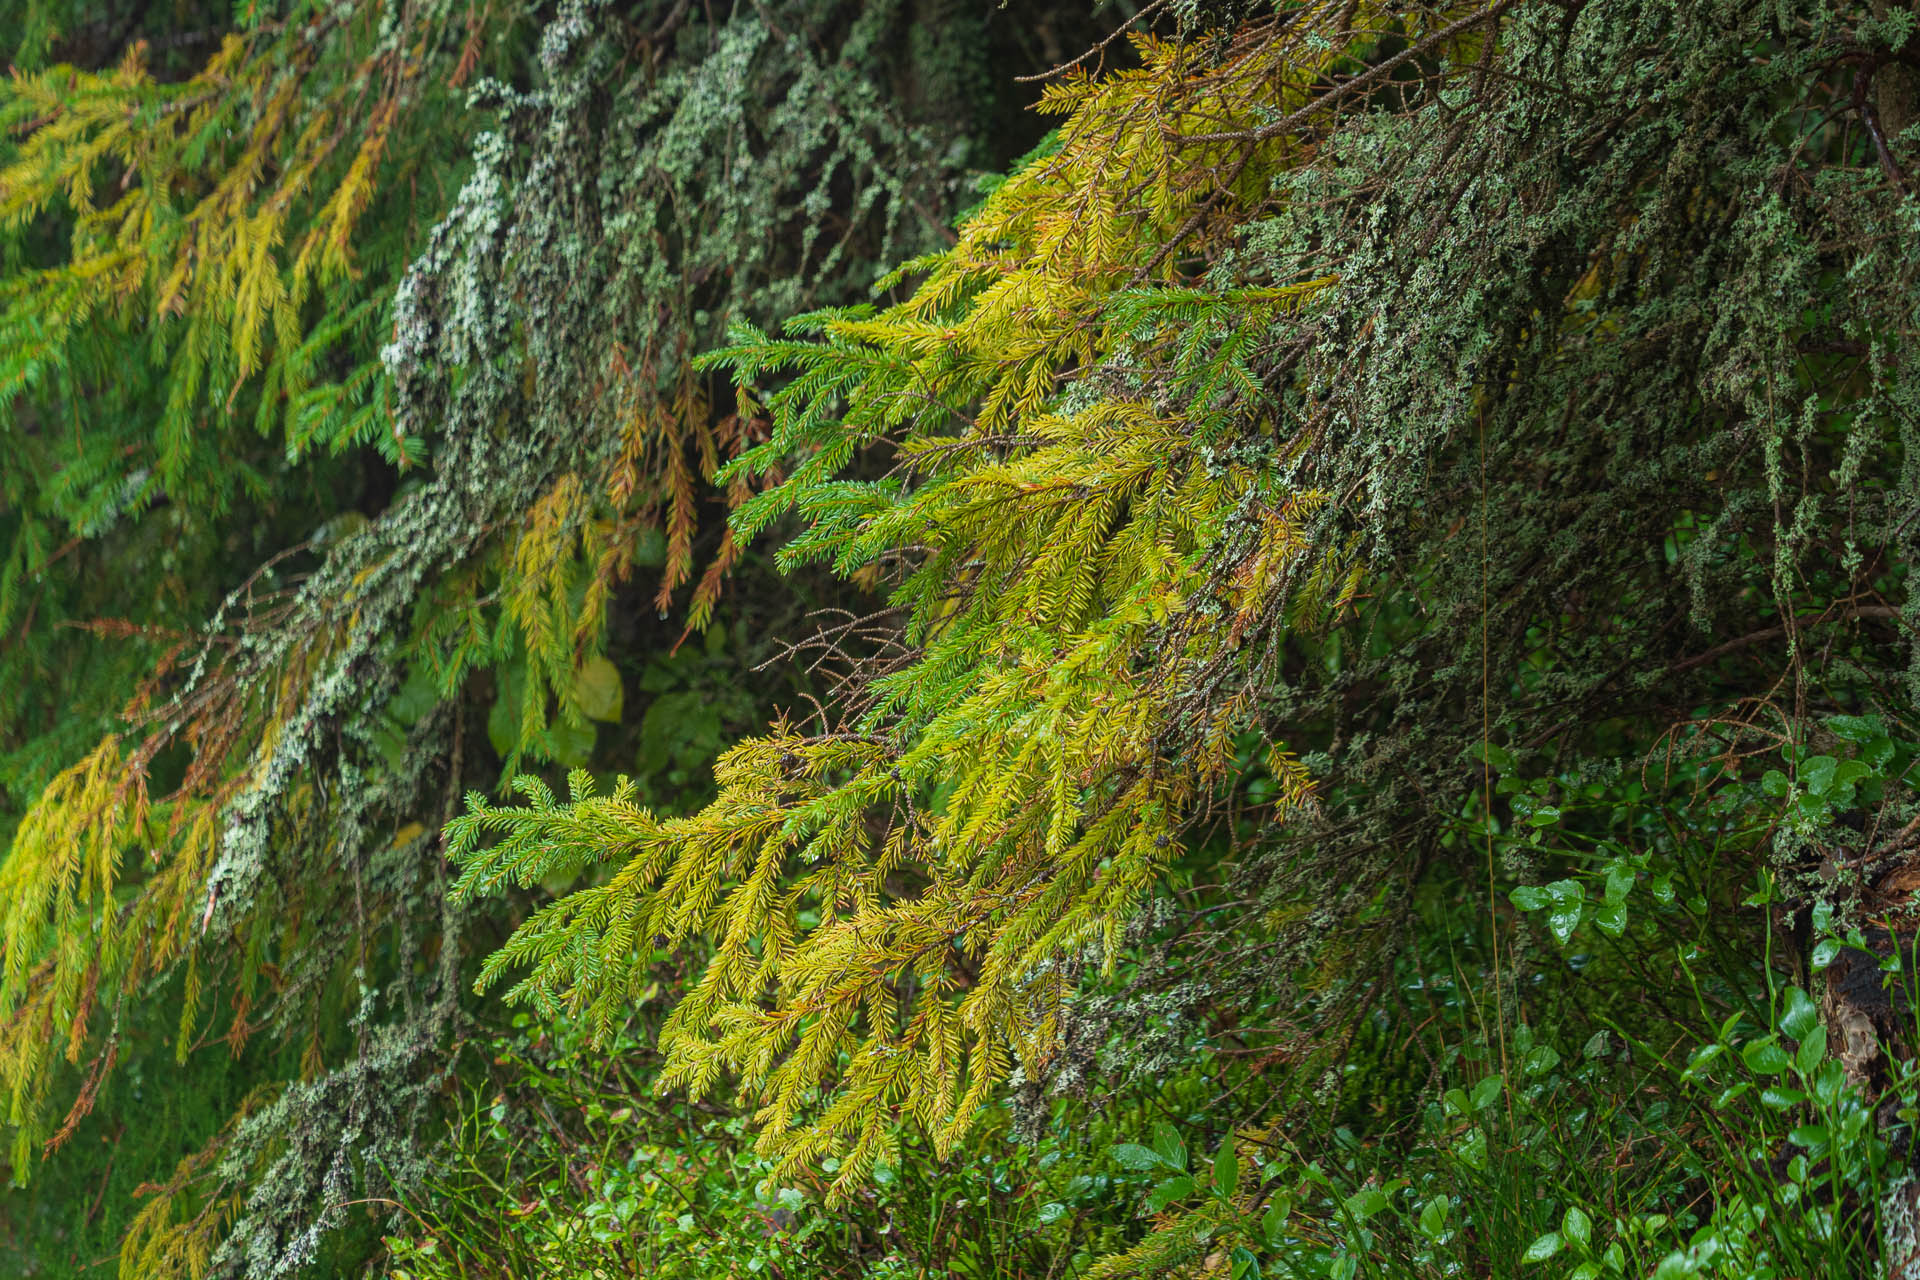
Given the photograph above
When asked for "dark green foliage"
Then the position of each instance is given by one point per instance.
(1616, 379)
(589, 1171)
(568, 205)
(1361, 709)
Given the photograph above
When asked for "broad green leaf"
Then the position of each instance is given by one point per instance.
(1562, 921)
(1858, 730)
(1167, 1192)
(1779, 1098)
(1799, 1016)
(1619, 881)
(1226, 1168)
(597, 689)
(1274, 1224)
(1809, 1135)
(1765, 1057)
(1366, 1202)
(1168, 1142)
(1812, 1050)
(1500, 758)
(572, 743)
(1828, 1082)
(1528, 897)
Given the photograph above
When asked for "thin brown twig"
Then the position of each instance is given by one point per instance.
(1099, 48)
(1377, 72)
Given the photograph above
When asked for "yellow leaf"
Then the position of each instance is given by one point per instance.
(597, 689)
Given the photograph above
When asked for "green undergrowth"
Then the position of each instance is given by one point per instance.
(1639, 1085)
(569, 1167)
(147, 1117)
(1322, 684)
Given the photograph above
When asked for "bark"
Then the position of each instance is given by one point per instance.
(1869, 1022)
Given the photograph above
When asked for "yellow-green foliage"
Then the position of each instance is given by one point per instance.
(80, 928)
(896, 906)
(58, 915)
(310, 231)
(574, 546)
(218, 218)
(184, 1218)
(220, 203)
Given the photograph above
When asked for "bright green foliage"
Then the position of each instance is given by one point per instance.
(1587, 1145)
(603, 1178)
(1362, 674)
(238, 260)
(347, 387)
(196, 271)
(1511, 388)
(891, 903)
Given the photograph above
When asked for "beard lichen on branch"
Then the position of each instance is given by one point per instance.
(531, 380)
(1083, 521)
(1342, 398)
(1477, 335)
